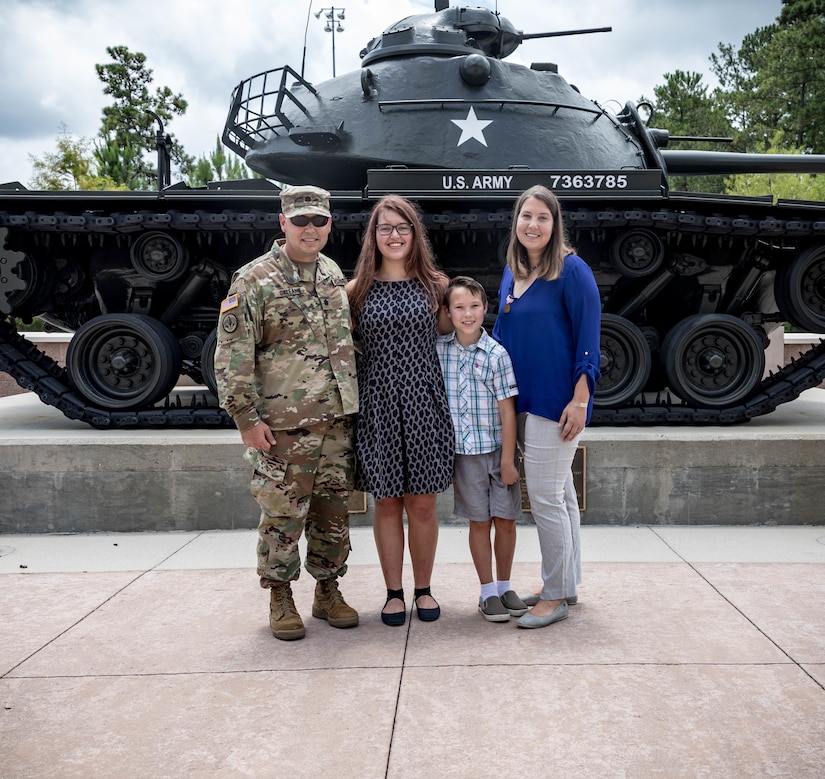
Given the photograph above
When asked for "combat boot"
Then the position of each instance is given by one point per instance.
(284, 619)
(330, 605)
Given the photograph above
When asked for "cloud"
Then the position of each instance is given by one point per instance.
(203, 48)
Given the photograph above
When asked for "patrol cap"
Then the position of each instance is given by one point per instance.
(300, 201)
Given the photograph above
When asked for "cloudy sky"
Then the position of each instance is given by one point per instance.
(203, 48)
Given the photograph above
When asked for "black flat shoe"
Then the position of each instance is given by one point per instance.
(396, 618)
(425, 615)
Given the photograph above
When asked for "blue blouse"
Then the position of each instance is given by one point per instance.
(551, 333)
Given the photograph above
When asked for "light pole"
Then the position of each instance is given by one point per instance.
(333, 25)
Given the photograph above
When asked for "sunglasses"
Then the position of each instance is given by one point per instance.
(303, 221)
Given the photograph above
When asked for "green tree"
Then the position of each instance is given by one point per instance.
(72, 166)
(128, 131)
(683, 107)
(792, 186)
(745, 107)
(776, 79)
(219, 159)
(120, 159)
(236, 169)
(797, 67)
(36, 325)
(201, 173)
(218, 166)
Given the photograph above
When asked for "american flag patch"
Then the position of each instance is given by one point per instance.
(230, 303)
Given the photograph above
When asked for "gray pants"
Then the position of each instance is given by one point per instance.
(548, 473)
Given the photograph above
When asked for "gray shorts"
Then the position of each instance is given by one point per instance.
(478, 491)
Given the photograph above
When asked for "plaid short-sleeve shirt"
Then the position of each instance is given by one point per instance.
(476, 378)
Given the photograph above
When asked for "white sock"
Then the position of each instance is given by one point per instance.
(488, 590)
(503, 586)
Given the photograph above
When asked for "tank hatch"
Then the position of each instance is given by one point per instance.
(449, 32)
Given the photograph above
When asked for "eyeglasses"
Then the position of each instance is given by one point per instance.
(303, 221)
(404, 228)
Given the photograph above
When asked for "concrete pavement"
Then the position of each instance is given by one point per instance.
(694, 652)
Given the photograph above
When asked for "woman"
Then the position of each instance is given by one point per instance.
(548, 320)
(404, 436)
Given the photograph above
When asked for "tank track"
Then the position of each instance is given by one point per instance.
(805, 372)
(35, 371)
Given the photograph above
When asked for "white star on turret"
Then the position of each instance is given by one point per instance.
(471, 127)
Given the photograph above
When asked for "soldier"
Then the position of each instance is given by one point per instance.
(285, 370)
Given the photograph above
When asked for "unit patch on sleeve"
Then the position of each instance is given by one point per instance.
(229, 323)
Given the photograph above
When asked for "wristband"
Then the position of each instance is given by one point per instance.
(578, 404)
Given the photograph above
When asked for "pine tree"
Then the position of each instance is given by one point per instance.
(128, 128)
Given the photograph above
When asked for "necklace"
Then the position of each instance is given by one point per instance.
(512, 297)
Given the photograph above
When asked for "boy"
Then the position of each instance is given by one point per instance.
(481, 390)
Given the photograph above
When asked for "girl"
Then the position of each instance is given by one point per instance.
(404, 435)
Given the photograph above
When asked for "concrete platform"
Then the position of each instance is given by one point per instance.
(693, 652)
(59, 475)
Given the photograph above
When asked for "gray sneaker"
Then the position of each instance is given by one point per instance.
(515, 606)
(493, 610)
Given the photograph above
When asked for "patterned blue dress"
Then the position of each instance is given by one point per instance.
(404, 437)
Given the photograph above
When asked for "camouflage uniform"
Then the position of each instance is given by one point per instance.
(285, 358)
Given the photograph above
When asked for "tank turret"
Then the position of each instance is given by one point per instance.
(692, 284)
(441, 73)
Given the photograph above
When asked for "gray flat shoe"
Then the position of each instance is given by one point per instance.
(530, 620)
(532, 599)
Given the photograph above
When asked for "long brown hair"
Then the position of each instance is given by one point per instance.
(420, 263)
(552, 256)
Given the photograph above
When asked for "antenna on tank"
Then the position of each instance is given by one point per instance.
(306, 30)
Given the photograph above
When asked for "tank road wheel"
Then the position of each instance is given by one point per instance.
(800, 290)
(713, 360)
(208, 362)
(159, 256)
(637, 252)
(123, 361)
(625, 362)
(501, 250)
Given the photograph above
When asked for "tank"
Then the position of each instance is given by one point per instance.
(692, 285)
